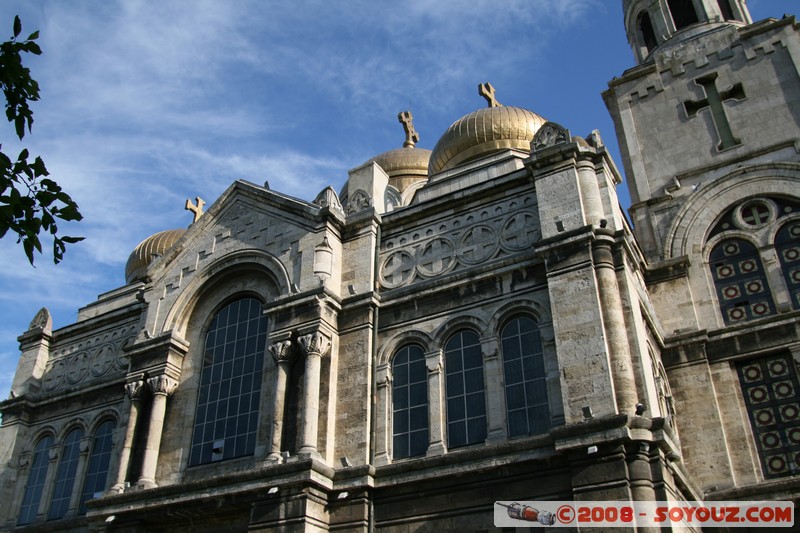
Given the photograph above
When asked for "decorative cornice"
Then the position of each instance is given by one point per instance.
(162, 385)
(282, 351)
(315, 344)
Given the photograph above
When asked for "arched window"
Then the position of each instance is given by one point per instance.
(646, 31)
(526, 387)
(683, 13)
(65, 476)
(726, 9)
(409, 403)
(466, 400)
(787, 244)
(740, 281)
(36, 477)
(97, 472)
(230, 384)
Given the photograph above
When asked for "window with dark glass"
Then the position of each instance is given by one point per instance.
(787, 244)
(65, 475)
(466, 400)
(97, 471)
(646, 31)
(771, 391)
(526, 387)
(36, 477)
(726, 9)
(409, 403)
(683, 13)
(740, 281)
(230, 384)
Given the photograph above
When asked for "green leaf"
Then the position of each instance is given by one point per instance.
(17, 26)
(33, 36)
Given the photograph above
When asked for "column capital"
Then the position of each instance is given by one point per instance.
(383, 375)
(282, 351)
(162, 385)
(316, 343)
(133, 389)
(434, 361)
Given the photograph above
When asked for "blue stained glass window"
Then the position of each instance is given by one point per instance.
(36, 477)
(464, 384)
(409, 403)
(230, 384)
(526, 387)
(97, 471)
(740, 281)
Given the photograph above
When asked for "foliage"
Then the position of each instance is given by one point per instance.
(30, 202)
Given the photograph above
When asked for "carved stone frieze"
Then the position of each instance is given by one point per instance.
(504, 228)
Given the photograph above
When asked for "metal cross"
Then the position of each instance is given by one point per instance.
(407, 119)
(487, 91)
(714, 102)
(196, 209)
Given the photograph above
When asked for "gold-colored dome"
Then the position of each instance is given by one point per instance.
(482, 132)
(404, 165)
(148, 250)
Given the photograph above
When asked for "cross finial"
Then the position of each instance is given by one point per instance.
(487, 91)
(196, 209)
(407, 119)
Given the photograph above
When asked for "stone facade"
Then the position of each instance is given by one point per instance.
(400, 356)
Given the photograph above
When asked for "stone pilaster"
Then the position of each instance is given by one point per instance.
(85, 446)
(314, 347)
(53, 455)
(495, 393)
(161, 388)
(383, 384)
(283, 354)
(133, 391)
(436, 410)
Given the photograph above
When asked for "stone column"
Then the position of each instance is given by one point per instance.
(641, 477)
(23, 475)
(49, 481)
(383, 383)
(314, 347)
(495, 393)
(620, 362)
(85, 445)
(283, 354)
(161, 387)
(436, 410)
(133, 390)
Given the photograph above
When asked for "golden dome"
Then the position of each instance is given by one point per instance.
(404, 165)
(482, 132)
(148, 250)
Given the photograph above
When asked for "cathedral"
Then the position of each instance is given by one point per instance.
(458, 326)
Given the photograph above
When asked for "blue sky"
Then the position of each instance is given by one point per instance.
(146, 104)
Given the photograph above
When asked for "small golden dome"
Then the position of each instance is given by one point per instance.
(148, 250)
(482, 132)
(404, 165)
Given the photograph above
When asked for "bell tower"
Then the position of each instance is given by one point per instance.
(651, 24)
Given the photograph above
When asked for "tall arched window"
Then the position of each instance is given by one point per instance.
(466, 400)
(526, 386)
(97, 472)
(65, 476)
(740, 281)
(726, 9)
(409, 403)
(36, 477)
(683, 13)
(787, 244)
(230, 384)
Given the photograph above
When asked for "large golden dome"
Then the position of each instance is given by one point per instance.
(148, 250)
(482, 132)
